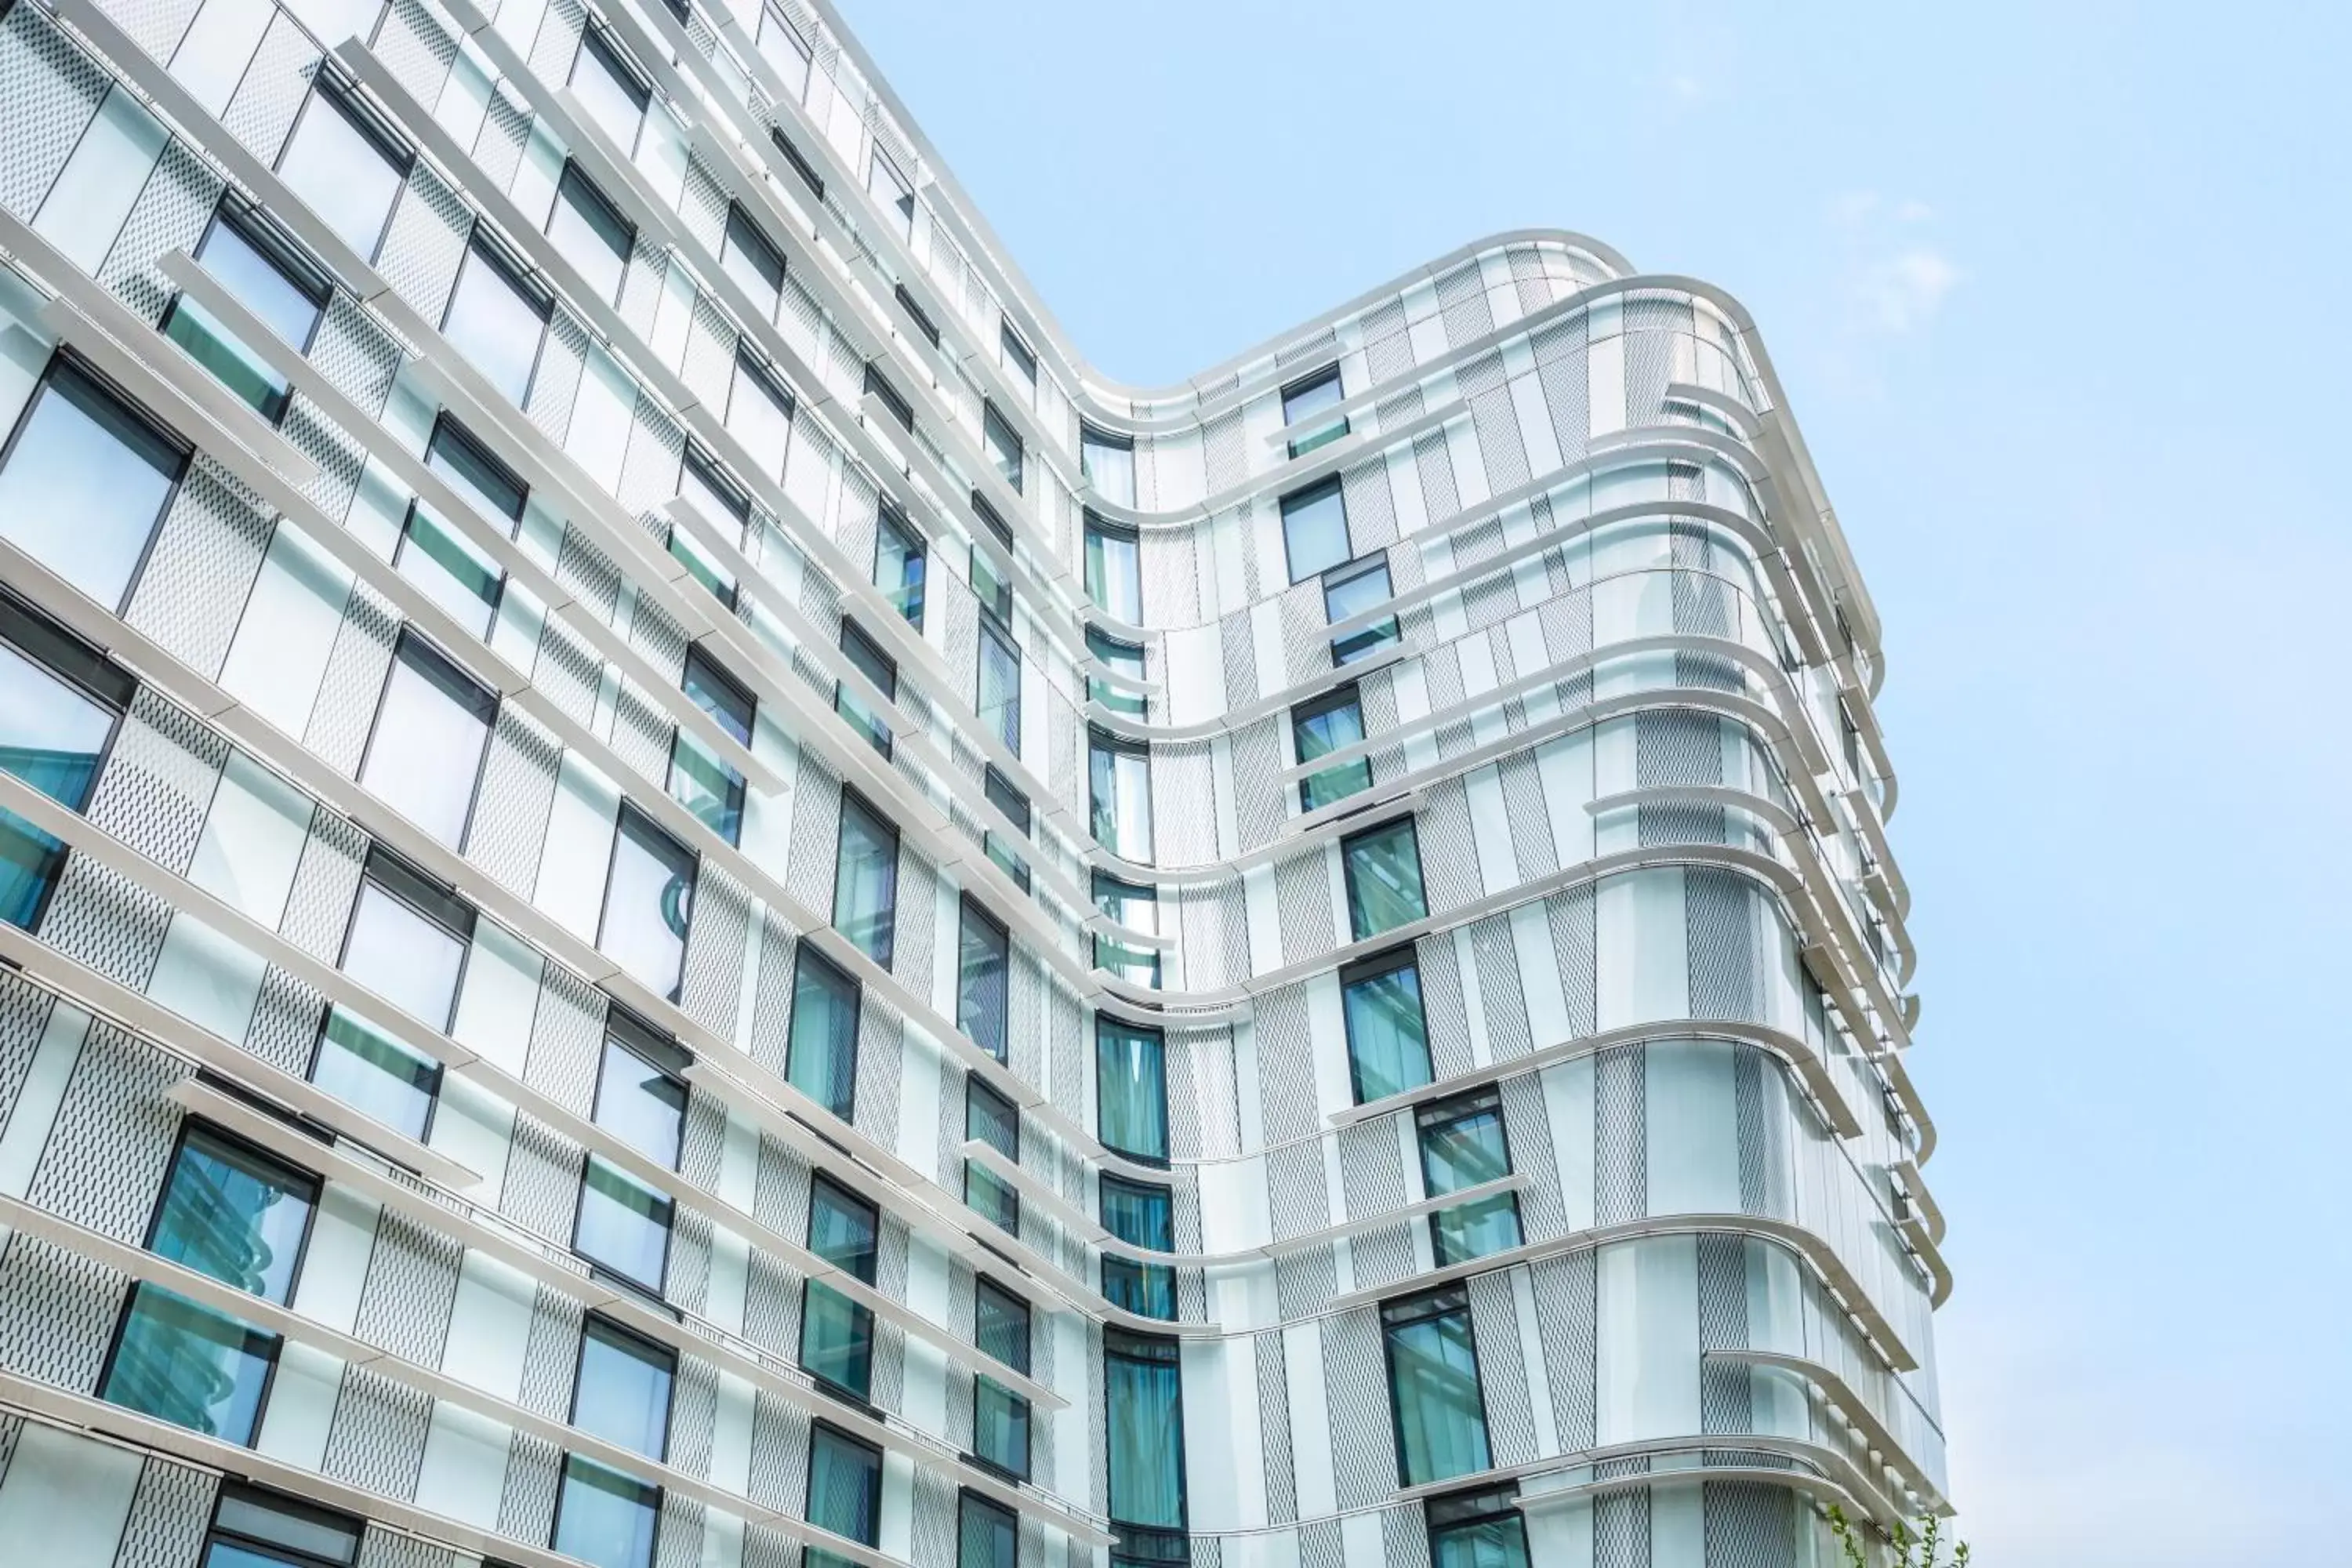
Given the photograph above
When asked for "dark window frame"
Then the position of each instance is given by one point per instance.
(605, 1323)
(575, 177)
(1437, 1116)
(1348, 871)
(893, 401)
(84, 671)
(297, 1175)
(231, 1488)
(1376, 966)
(484, 244)
(334, 86)
(1299, 500)
(1409, 1311)
(916, 314)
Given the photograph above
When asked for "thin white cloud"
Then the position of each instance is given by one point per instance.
(1896, 275)
(1903, 292)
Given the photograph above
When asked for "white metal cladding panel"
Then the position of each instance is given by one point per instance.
(376, 1439)
(558, 42)
(512, 807)
(157, 784)
(713, 984)
(170, 214)
(780, 1439)
(555, 382)
(1620, 1136)
(339, 458)
(1726, 1394)
(1502, 1002)
(880, 1069)
(567, 1035)
(1571, 915)
(641, 733)
(526, 1505)
(1752, 1525)
(1502, 1368)
(345, 710)
(771, 1004)
(203, 561)
(650, 471)
(1763, 1113)
(23, 1014)
(107, 1151)
(54, 90)
(1355, 1391)
(1444, 1009)
(1532, 848)
(355, 354)
(425, 243)
(410, 1288)
(816, 826)
(499, 145)
(99, 918)
(262, 113)
(542, 1180)
(285, 1018)
(416, 49)
(382, 1548)
(57, 1312)
(169, 1514)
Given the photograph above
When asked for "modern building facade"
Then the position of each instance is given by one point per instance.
(671, 896)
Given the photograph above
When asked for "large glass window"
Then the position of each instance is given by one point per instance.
(252, 1528)
(1143, 1389)
(999, 1417)
(1477, 1530)
(496, 319)
(894, 402)
(1350, 589)
(1384, 867)
(590, 232)
(233, 1213)
(1004, 443)
(1118, 773)
(640, 1096)
(189, 1365)
(59, 704)
(1332, 722)
(1388, 1036)
(1137, 908)
(845, 1492)
(916, 314)
(609, 87)
(992, 1119)
(865, 880)
(898, 563)
(347, 168)
(867, 656)
(1463, 1145)
(604, 1518)
(407, 942)
(983, 997)
(719, 498)
(1141, 1216)
(1106, 461)
(837, 1333)
(991, 584)
(1000, 793)
(434, 554)
(892, 191)
(699, 779)
(84, 480)
(999, 703)
(623, 1390)
(1015, 355)
(1114, 570)
(623, 1226)
(648, 899)
(748, 256)
(1315, 530)
(759, 414)
(987, 1536)
(781, 43)
(261, 272)
(1124, 658)
(1304, 402)
(820, 1051)
(430, 733)
(1131, 1089)
(1433, 1361)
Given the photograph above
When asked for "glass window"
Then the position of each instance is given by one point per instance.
(845, 1492)
(1015, 356)
(759, 414)
(1004, 445)
(458, 576)
(234, 1213)
(590, 232)
(1131, 1089)
(189, 1365)
(475, 472)
(1315, 530)
(374, 1074)
(991, 1118)
(867, 656)
(1014, 805)
(999, 1417)
(1351, 590)
(1141, 1216)
(892, 191)
(899, 562)
(639, 1096)
(604, 1518)
(1388, 1038)
(916, 314)
(1479, 1529)
(982, 995)
(1462, 1144)
(1120, 658)
(865, 880)
(251, 1527)
(84, 482)
(1433, 1392)
(793, 155)
(1119, 776)
(261, 271)
(748, 256)
(495, 319)
(837, 1333)
(820, 1050)
(1303, 401)
(431, 730)
(1108, 462)
(699, 779)
(347, 169)
(1384, 867)
(58, 703)
(893, 401)
(407, 939)
(622, 1392)
(1332, 722)
(781, 45)
(987, 1536)
(992, 585)
(1138, 909)
(609, 87)
(622, 1226)
(1144, 1417)
(648, 899)
(999, 703)
(1114, 570)
(702, 481)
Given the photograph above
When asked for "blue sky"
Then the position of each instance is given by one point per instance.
(2056, 290)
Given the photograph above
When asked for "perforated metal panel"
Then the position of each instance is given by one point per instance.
(104, 1161)
(192, 590)
(158, 783)
(526, 1505)
(53, 90)
(57, 1313)
(262, 113)
(169, 1514)
(1749, 1525)
(424, 242)
(1620, 1135)
(170, 213)
(345, 708)
(23, 1014)
(376, 1440)
(513, 799)
(410, 1287)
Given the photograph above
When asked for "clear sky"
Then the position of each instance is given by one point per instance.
(2057, 290)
